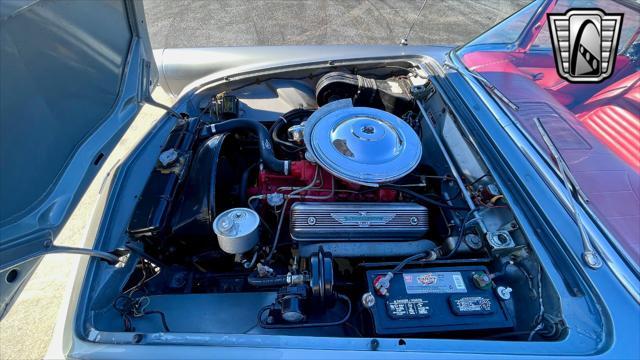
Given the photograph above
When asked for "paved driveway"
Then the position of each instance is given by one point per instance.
(25, 332)
(184, 23)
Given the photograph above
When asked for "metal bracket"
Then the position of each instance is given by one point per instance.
(145, 90)
(423, 92)
(500, 239)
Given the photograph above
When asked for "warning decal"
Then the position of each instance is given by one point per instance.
(471, 305)
(434, 283)
(408, 308)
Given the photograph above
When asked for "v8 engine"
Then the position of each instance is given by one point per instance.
(352, 198)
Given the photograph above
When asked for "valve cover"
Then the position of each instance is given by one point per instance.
(344, 221)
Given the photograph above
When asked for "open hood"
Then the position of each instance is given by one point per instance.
(73, 77)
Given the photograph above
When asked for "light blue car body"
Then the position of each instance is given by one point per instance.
(64, 133)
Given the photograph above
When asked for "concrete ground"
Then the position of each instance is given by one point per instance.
(26, 331)
(184, 23)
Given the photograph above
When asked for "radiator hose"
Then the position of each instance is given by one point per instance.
(272, 281)
(266, 148)
(276, 280)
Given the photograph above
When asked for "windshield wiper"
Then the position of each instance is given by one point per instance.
(493, 90)
(589, 255)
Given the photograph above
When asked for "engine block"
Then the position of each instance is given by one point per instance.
(328, 187)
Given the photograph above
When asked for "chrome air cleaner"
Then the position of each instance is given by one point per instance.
(362, 145)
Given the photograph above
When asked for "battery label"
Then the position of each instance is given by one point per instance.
(408, 308)
(471, 305)
(434, 283)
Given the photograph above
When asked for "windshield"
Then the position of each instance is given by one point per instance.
(596, 125)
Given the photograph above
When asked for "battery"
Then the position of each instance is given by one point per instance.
(437, 300)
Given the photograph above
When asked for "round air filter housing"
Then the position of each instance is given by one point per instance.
(362, 145)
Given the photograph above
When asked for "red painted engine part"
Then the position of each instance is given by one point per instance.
(303, 173)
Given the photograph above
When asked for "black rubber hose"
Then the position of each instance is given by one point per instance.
(273, 281)
(275, 128)
(244, 180)
(296, 116)
(421, 198)
(162, 317)
(467, 217)
(431, 255)
(266, 147)
(292, 117)
(286, 146)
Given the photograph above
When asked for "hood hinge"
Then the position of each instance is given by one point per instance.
(145, 90)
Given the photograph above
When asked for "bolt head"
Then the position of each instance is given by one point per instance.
(592, 259)
(375, 343)
(368, 300)
(504, 292)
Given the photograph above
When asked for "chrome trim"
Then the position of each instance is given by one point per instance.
(530, 149)
(590, 257)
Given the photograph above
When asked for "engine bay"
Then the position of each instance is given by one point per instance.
(345, 202)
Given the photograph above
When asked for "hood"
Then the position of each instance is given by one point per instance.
(73, 77)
